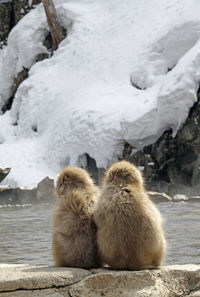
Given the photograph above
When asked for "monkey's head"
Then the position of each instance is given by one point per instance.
(72, 178)
(125, 173)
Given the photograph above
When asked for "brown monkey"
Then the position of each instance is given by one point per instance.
(74, 232)
(129, 226)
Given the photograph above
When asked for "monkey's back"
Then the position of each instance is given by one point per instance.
(74, 233)
(129, 228)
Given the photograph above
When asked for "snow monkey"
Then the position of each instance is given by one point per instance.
(129, 226)
(74, 232)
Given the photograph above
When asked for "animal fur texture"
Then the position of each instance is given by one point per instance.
(74, 232)
(129, 226)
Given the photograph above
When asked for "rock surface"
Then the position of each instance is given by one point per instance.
(171, 164)
(4, 171)
(11, 11)
(179, 197)
(38, 293)
(8, 196)
(194, 198)
(43, 193)
(169, 281)
(159, 197)
(15, 277)
(46, 190)
(13, 196)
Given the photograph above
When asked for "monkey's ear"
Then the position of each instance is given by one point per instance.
(60, 186)
(112, 176)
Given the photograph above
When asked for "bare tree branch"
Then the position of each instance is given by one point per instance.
(55, 28)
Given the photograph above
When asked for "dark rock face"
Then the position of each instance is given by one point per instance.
(10, 14)
(173, 162)
(11, 11)
(20, 8)
(90, 165)
(22, 75)
(4, 171)
(8, 196)
(5, 18)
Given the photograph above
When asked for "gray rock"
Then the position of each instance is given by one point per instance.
(159, 197)
(11, 11)
(15, 277)
(44, 281)
(194, 198)
(166, 282)
(61, 292)
(13, 196)
(46, 190)
(8, 196)
(5, 17)
(172, 161)
(180, 197)
(4, 171)
(26, 195)
(194, 294)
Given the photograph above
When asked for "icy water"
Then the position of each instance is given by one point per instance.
(25, 233)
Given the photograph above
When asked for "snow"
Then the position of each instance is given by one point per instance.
(127, 71)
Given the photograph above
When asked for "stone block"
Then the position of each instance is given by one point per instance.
(16, 277)
(26, 195)
(45, 190)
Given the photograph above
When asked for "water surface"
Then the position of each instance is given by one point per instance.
(26, 233)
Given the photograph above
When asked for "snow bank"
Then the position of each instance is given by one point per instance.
(127, 71)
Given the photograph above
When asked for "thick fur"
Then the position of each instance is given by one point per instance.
(74, 232)
(130, 234)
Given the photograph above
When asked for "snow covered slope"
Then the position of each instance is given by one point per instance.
(127, 71)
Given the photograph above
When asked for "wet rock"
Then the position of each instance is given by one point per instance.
(8, 196)
(14, 196)
(4, 171)
(26, 195)
(46, 190)
(88, 163)
(172, 163)
(194, 198)
(179, 197)
(159, 197)
(43, 193)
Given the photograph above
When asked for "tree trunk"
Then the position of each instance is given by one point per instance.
(55, 28)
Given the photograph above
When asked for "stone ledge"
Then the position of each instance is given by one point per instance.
(15, 277)
(169, 281)
(43, 193)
